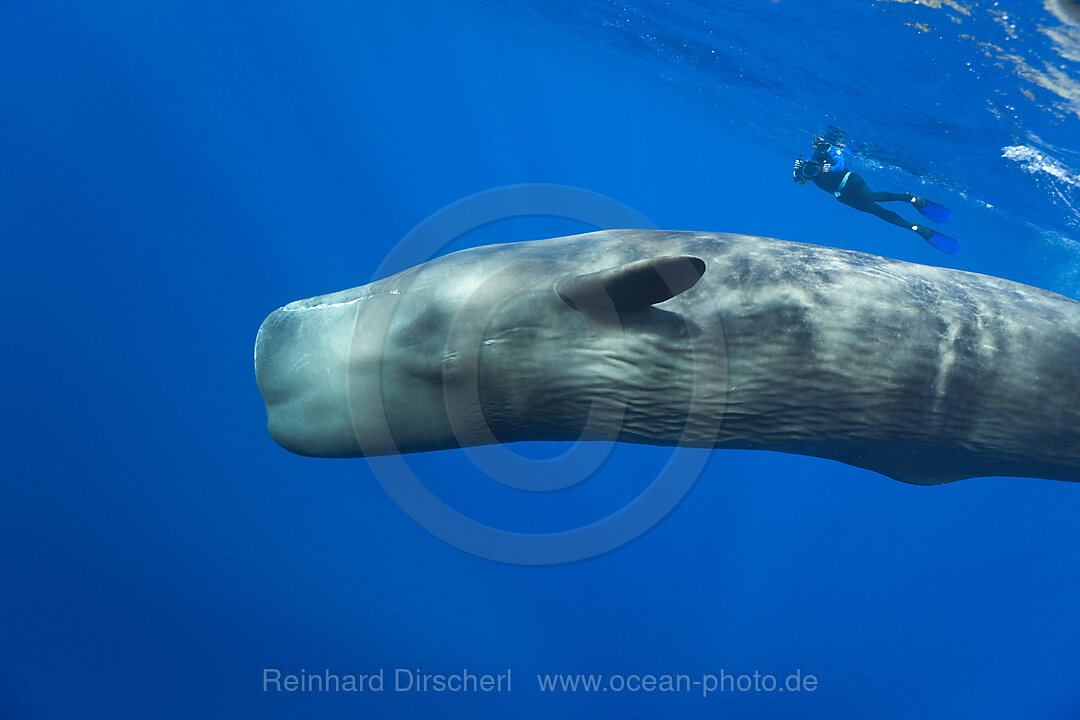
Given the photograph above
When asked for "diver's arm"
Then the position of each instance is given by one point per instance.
(835, 162)
(830, 157)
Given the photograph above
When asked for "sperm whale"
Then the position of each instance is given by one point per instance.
(923, 374)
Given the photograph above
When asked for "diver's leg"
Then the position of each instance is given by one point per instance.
(937, 213)
(857, 194)
(890, 217)
(887, 215)
(892, 197)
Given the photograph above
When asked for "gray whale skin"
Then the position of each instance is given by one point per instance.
(922, 374)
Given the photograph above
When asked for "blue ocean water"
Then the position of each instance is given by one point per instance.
(170, 173)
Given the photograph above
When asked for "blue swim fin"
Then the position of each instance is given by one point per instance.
(937, 213)
(944, 243)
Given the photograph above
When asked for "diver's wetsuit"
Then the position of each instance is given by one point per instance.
(857, 194)
(849, 188)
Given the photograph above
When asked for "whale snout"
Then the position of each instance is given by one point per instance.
(271, 345)
(301, 356)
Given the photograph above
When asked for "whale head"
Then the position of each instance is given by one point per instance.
(485, 345)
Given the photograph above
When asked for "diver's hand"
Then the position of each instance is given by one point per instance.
(825, 167)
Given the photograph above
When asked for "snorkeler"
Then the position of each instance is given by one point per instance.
(826, 169)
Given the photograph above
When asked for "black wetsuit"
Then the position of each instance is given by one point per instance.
(857, 194)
